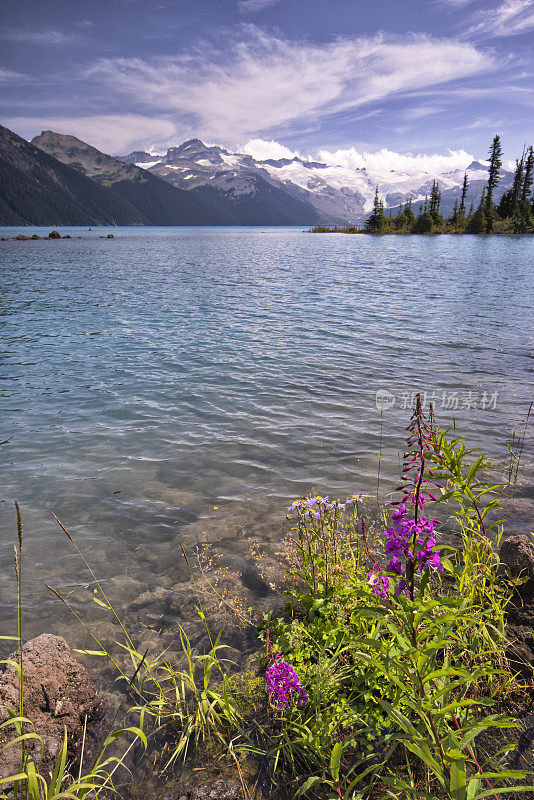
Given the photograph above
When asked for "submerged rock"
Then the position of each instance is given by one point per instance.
(212, 790)
(58, 694)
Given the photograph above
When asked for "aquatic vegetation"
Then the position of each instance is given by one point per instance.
(31, 781)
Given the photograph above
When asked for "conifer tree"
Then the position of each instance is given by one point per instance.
(408, 211)
(528, 178)
(464, 195)
(435, 202)
(424, 223)
(377, 221)
(493, 179)
(453, 219)
(478, 222)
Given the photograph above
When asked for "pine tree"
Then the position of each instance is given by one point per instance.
(377, 221)
(455, 216)
(478, 222)
(464, 195)
(435, 202)
(528, 178)
(424, 223)
(493, 179)
(408, 211)
(519, 177)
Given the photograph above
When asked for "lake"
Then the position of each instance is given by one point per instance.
(179, 386)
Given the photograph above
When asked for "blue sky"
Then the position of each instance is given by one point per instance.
(411, 76)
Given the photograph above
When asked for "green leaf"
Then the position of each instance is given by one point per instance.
(91, 652)
(101, 603)
(458, 777)
(307, 785)
(59, 769)
(503, 790)
(335, 760)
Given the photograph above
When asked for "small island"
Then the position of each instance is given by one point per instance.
(513, 214)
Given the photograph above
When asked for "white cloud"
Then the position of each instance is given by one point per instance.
(251, 6)
(46, 36)
(9, 75)
(508, 19)
(260, 82)
(116, 134)
(383, 163)
(261, 150)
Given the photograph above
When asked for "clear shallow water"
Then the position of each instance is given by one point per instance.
(148, 378)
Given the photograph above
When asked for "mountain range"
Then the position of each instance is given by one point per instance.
(59, 179)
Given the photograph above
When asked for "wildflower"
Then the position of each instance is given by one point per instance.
(283, 685)
(379, 584)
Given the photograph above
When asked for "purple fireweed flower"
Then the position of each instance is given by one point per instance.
(379, 584)
(283, 685)
(395, 565)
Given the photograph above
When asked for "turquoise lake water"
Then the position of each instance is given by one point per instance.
(181, 385)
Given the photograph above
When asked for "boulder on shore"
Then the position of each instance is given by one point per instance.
(21, 238)
(517, 558)
(110, 236)
(517, 554)
(58, 694)
(35, 236)
(54, 235)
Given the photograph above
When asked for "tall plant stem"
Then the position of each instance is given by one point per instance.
(18, 570)
(522, 442)
(379, 453)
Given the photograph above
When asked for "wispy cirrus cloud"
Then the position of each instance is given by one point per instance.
(45, 36)
(251, 6)
(112, 133)
(510, 18)
(260, 81)
(10, 75)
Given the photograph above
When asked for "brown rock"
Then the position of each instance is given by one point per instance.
(22, 238)
(517, 554)
(212, 790)
(58, 694)
(67, 236)
(3, 239)
(110, 236)
(520, 648)
(54, 235)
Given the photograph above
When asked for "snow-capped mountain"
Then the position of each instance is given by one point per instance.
(338, 193)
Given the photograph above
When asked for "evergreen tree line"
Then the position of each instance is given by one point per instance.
(513, 214)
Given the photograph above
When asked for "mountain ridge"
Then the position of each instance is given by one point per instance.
(339, 195)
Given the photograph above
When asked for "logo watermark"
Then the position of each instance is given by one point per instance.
(446, 401)
(384, 400)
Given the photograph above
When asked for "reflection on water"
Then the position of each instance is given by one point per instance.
(147, 379)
